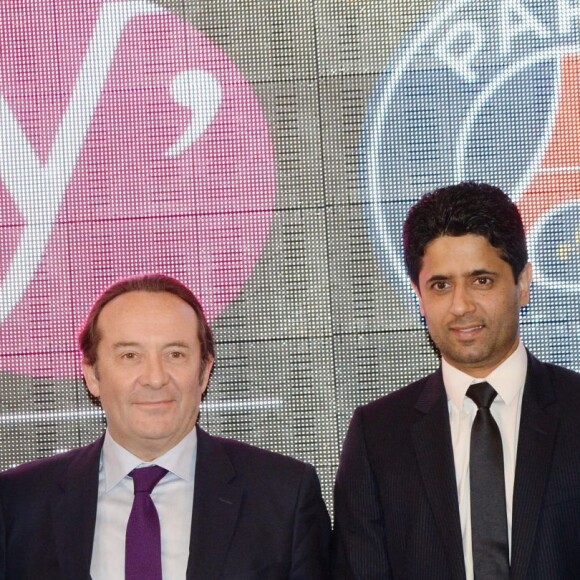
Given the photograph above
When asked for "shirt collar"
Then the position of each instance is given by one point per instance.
(117, 462)
(507, 379)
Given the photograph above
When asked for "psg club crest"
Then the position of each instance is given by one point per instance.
(487, 91)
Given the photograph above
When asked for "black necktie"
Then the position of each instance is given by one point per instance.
(488, 512)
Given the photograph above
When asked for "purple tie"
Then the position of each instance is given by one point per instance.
(143, 539)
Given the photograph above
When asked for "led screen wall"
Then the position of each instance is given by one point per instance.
(265, 153)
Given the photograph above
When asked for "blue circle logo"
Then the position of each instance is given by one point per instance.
(485, 91)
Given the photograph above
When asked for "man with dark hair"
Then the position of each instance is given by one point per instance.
(473, 471)
(157, 496)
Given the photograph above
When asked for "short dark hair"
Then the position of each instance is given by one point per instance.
(89, 336)
(465, 208)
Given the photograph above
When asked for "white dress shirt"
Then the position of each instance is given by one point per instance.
(172, 496)
(508, 380)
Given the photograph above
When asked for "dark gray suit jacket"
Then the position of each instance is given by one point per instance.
(396, 507)
(256, 515)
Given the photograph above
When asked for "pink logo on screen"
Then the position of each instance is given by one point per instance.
(129, 143)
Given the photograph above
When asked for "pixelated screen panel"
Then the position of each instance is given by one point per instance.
(265, 153)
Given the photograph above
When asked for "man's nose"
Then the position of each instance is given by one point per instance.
(154, 372)
(462, 301)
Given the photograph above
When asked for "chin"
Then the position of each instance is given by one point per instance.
(155, 431)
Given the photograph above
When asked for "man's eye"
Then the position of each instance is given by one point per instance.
(439, 285)
(483, 281)
(177, 354)
(129, 355)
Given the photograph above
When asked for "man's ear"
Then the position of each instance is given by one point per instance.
(418, 295)
(204, 380)
(91, 378)
(524, 283)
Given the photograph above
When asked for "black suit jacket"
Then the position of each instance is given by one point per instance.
(396, 506)
(256, 515)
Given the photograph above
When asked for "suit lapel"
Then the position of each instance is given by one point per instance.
(432, 440)
(534, 458)
(216, 503)
(74, 512)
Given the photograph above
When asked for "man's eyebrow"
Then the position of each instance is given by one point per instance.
(482, 272)
(470, 274)
(125, 344)
(178, 343)
(437, 278)
(133, 344)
